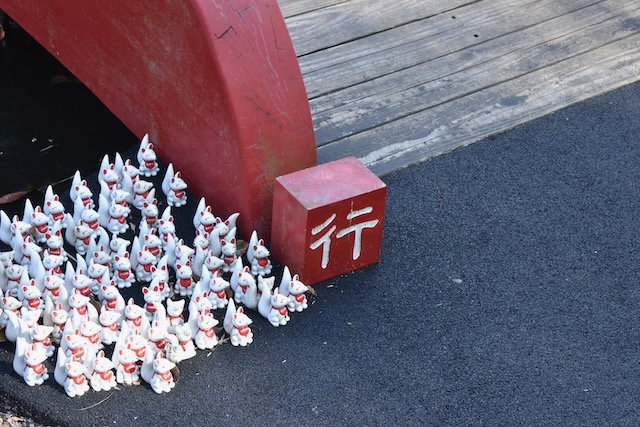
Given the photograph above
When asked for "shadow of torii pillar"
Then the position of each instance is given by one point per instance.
(216, 84)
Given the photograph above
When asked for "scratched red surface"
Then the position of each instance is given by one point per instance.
(216, 84)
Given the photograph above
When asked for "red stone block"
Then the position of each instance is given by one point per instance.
(328, 219)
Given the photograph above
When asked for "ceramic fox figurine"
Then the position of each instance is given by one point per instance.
(166, 228)
(201, 251)
(217, 289)
(272, 306)
(41, 339)
(143, 192)
(228, 254)
(40, 222)
(86, 214)
(184, 279)
(135, 318)
(54, 241)
(152, 298)
(24, 249)
(107, 173)
(99, 275)
(245, 289)
(31, 297)
(55, 291)
(295, 290)
(157, 372)
(90, 331)
(180, 345)
(51, 266)
(178, 252)
(160, 277)
(113, 216)
(236, 324)
(75, 383)
(147, 158)
(204, 220)
(120, 196)
(34, 371)
(212, 263)
(74, 345)
(127, 372)
(81, 309)
(59, 318)
(117, 244)
(111, 298)
(80, 190)
(149, 213)
(8, 304)
(150, 239)
(102, 377)
(157, 339)
(174, 187)
(224, 227)
(54, 208)
(202, 329)
(79, 236)
(122, 273)
(14, 277)
(142, 261)
(82, 283)
(138, 344)
(10, 228)
(175, 317)
(198, 303)
(109, 323)
(128, 171)
(258, 256)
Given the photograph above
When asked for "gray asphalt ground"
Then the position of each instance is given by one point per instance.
(507, 294)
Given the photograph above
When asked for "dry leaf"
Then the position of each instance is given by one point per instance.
(12, 197)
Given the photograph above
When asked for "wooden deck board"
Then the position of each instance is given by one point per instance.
(500, 107)
(420, 88)
(386, 69)
(514, 55)
(291, 8)
(355, 19)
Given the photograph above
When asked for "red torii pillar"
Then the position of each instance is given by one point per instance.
(216, 84)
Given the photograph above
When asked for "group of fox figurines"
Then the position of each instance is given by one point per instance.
(76, 310)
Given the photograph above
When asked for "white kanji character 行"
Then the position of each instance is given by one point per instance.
(325, 240)
(357, 229)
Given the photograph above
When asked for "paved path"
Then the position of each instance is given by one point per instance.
(507, 294)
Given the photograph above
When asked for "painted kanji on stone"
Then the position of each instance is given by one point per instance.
(328, 220)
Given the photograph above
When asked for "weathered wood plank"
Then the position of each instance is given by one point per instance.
(334, 25)
(428, 40)
(464, 22)
(498, 60)
(494, 109)
(291, 8)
